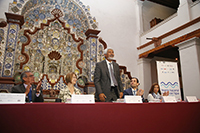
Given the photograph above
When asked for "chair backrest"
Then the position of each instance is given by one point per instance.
(58, 100)
(4, 91)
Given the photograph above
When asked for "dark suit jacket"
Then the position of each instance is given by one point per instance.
(102, 78)
(130, 92)
(21, 89)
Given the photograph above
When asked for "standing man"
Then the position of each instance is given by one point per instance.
(33, 92)
(107, 78)
(134, 89)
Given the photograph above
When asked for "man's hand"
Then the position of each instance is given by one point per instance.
(120, 94)
(140, 92)
(102, 97)
(38, 87)
(28, 89)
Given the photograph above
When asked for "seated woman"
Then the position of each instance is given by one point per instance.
(67, 92)
(155, 94)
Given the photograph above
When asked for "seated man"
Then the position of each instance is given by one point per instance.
(33, 92)
(134, 89)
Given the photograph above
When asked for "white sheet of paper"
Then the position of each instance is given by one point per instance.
(12, 98)
(191, 99)
(120, 100)
(169, 99)
(132, 99)
(82, 99)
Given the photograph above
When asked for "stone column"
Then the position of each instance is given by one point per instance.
(184, 11)
(92, 38)
(14, 24)
(144, 66)
(139, 15)
(190, 66)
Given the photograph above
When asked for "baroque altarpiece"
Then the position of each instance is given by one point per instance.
(51, 38)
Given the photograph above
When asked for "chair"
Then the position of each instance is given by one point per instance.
(4, 91)
(58, 100)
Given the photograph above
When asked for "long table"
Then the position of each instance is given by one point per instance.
(100, 118)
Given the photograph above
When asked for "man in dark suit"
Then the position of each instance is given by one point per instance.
(107, 78)
(134, 89)
(33, 92)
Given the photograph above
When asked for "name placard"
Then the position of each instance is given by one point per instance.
(155, 101)
(191, 99)
(12, 98)
(82, 99)
(132, 99)
(169, 99)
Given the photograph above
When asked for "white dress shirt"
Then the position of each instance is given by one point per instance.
(108, 64)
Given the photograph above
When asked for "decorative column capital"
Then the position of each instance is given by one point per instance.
(143, 60)
(15, 18)
(92, 33)
(188, 43)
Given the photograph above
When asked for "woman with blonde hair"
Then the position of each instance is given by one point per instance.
(70, 90)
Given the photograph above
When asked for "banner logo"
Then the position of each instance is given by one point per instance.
(173, 85)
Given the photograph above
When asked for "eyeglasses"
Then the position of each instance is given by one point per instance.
(30, 76)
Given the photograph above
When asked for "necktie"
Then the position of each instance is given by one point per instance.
(112, 75)
(133, 92)
(30, 94)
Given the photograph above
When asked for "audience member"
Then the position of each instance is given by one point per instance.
(155, 94)
(134, 89)
(33, 92)
(107, 78)
(67, 92)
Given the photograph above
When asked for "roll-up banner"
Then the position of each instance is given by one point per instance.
(168, 78)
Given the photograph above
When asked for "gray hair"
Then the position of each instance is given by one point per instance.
(106, 50)
(23, 74)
